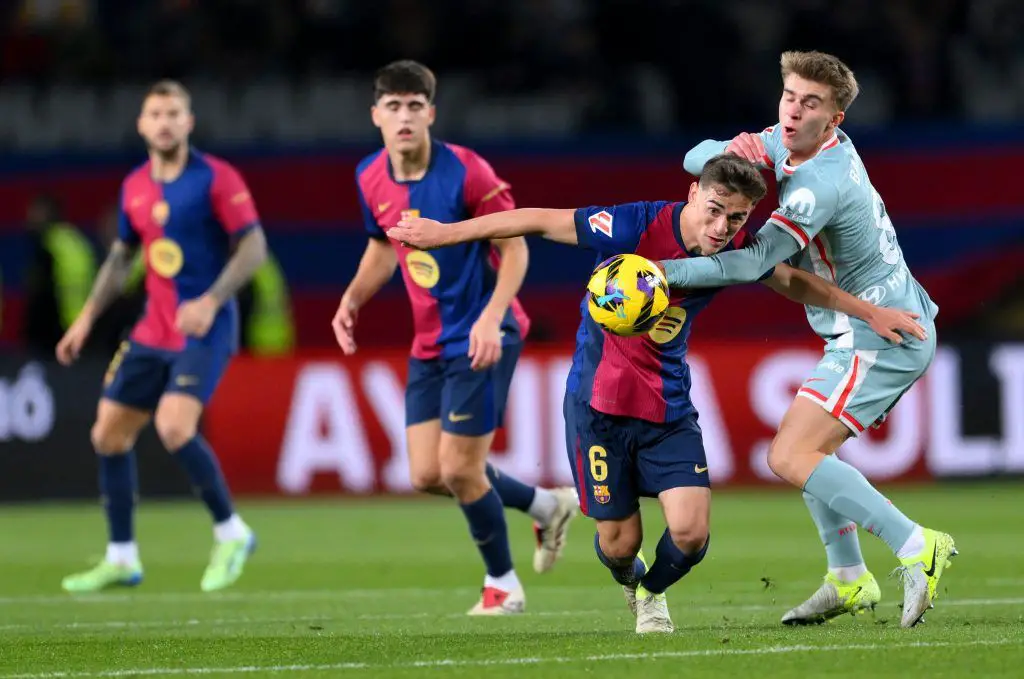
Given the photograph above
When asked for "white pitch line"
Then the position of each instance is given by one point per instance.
(336, 594)
(533, 660)
(222, 622)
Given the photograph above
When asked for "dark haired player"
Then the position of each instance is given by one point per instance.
(469, 326)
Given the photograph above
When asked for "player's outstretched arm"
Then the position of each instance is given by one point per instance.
(769, 247)
(693, 161)
(755, 147)
(806, 288)
(556, 225)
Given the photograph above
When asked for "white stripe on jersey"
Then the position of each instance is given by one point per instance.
(823, 263)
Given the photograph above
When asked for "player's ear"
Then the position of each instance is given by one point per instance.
(431, 115)
(693, 192)
(838, 118)
(375, 115)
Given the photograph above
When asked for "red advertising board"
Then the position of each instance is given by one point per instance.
(328, 424)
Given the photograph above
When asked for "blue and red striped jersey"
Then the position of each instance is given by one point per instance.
(185, 228)
(644, 377)
(448, 287)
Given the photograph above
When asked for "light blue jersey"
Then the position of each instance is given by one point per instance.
(839, 230)
(831, 222)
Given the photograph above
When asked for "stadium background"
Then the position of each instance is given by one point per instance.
(574, 103)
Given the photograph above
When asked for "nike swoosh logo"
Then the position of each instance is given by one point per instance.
(854, 595)
(935, 552)
(700, 470)
(383, 207)
(452, 417)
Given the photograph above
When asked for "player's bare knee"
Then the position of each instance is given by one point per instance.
(690, 538)
(620, 539)
(463, 479)
(174, 433)
(426, 480)
(780, 457)
(110, 440)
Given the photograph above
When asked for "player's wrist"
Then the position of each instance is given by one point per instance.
(212, 299)
(493, 314)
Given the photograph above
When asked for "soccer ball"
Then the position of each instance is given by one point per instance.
(628, 295)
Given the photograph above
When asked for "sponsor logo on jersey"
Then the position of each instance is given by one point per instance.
(423, 269)
(874, 295)
(669, 326)
(165, 257)
(800, 205)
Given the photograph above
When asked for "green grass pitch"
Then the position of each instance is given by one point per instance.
(378, 588)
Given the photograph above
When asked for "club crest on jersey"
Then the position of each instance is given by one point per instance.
(423, 269)
(410, 214)
(602, 495)
(669, 326)
(161, 212)
(601, 223)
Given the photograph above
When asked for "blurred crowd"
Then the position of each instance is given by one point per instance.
(918, 59)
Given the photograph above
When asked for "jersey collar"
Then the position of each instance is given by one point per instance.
(831, 142)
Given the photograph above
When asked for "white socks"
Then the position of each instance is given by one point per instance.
(232, 529)
(122, 553)
(543, 507)
(913, 546)
(506, 583)
(849, 573)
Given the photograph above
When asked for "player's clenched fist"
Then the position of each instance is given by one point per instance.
(419, 233)
(344, 324)
(748, 146)
(196, 316)
(485, 342)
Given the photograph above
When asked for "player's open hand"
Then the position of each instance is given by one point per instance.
(344, 324)
(70, 345)
(419, 233)
(485, 341)
(892, 324)
(196, 316)
(748, 146)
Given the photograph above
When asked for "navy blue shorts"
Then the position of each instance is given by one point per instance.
(468, 402)
(617, 460)
(139, 375)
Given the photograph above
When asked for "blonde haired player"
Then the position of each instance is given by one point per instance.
(832, 222)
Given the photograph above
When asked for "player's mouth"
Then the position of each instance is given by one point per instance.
(717, 242)
(789, 132)
(405, 134)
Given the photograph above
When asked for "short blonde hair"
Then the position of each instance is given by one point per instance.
(169, 88)
(823, 68)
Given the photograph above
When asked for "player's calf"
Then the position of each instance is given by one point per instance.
(462, 461)
(113, 436)
(177, 424)
(685, 541)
